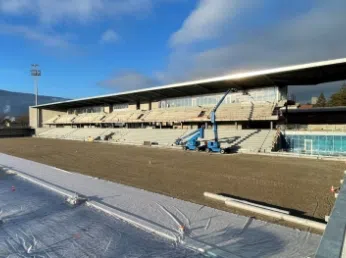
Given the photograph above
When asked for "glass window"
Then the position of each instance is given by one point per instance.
(263, 94)
(120, 106)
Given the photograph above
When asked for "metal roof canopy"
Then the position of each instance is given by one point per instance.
(303, 74)
(315, 110)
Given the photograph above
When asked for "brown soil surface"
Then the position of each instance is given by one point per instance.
(301, 185)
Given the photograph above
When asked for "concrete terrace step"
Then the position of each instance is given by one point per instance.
(254, 140)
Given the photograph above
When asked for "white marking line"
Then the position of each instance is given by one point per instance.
(28, 178)
(207, 224)
(64, 171)
(131, 221)
(109, 242)
(170, 215)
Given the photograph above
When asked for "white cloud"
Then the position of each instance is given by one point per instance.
(35, 34)
(314, 35)
(207, 21)
(128, 80)
(109, 36)
(14, 6)
(54, 11)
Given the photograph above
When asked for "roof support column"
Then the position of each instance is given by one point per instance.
(38, 117)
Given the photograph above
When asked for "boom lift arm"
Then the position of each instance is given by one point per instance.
(199, 133)
(213, 115)
(190, 141)
(214, 145)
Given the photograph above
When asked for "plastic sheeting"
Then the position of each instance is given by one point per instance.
(37, 223)
(216, 232)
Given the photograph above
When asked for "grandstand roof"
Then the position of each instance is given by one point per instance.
(315, 110)
(302, 74)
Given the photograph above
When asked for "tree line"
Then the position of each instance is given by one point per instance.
(335, 100)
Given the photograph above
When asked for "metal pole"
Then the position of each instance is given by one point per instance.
(36, 90)
(36, 102)
(36, 72)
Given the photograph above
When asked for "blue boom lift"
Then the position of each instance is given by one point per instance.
(190, 141)
(214, 145)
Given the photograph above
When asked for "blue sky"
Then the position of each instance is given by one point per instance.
(92, 47)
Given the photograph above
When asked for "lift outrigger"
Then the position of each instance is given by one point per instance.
(190, 141)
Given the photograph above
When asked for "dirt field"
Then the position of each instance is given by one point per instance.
(301, 185)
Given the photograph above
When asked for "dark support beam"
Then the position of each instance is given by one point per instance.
(203, 89)
(108, 102)
(139, 97)
(127, 99)
(323, 74)
(270, 80)
(159, 94)
(95, 102)
(237, 85)
(178, 91)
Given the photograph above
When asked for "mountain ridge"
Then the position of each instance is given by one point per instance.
(17, 103)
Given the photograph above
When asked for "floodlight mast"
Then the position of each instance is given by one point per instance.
(35, 73)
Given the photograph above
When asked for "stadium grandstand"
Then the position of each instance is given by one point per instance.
(247, 119)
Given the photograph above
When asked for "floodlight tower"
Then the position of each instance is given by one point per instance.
(35, 73)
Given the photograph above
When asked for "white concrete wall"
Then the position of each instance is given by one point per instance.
(144, 106)
(155, 105)
(132, 107)
(317, 127)
(32, 117)
(228, 126)
(44, 115)
(107, 109)
(341, 127)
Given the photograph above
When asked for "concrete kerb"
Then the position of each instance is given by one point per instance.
(267, 212)
(225, 198)
(277, 215)
(295, 155)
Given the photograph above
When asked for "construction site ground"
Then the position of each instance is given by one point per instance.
(299, 185)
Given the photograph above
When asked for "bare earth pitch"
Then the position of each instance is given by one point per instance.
(302, 185)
